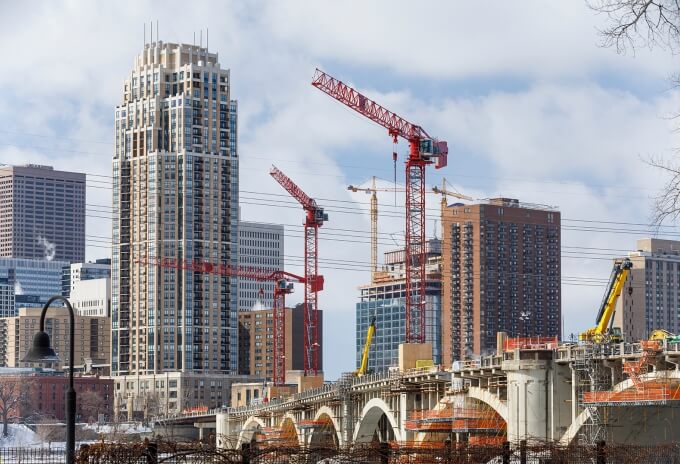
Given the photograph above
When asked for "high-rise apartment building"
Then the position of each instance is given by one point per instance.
(501, 272)
(42, 213)
(34, 281)
(92, 335)
(76, 272)
(650, 298)
(385, 300)
(175, 195)
(256, 341)
(260, 246)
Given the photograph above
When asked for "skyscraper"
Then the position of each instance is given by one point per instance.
(385, 299)
(650, 298)
(42, 213)
(501, 272)
(175, 195)
(260, 246)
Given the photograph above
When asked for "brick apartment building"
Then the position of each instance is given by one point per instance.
(501, 272)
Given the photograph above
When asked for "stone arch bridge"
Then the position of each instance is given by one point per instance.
(555, 393)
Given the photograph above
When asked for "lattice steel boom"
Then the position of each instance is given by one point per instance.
(284, 285)
(423, 150)
(314, 218)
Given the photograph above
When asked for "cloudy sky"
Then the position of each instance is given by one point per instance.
(531, 107)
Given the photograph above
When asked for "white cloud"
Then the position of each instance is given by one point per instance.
(570, 135)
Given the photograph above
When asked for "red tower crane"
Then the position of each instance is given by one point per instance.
(314, 218)
(283, 285)
(423, 150)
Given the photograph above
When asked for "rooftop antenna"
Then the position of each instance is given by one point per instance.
(145, 34)
(207, 38)
(151, 38)
(194, 39)
(157, 34)
(201, 38)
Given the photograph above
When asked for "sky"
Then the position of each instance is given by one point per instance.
(531, 105)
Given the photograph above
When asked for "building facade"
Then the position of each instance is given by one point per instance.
(260, 247)
(75, 272)
(42, 213)
(34, 281)
(501, 272)
(92, 335)
(256, 341)
(385, 300)
(92, 297)
(175, 196)
(7, 307)
(168, 393)
(45, 392)
(650, 299)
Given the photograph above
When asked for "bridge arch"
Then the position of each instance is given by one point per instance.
(327, 414)
(584, 416)
(289, 430)
(376, 421)
(251, 426)
(326, 434)
(485, 396)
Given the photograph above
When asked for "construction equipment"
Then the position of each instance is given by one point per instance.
(284, 285)
(444, 192)
(314, 218)
(603, 332)
(374, 213)
(423, 150)
(661, 335)
(374, 219)
(367, 346)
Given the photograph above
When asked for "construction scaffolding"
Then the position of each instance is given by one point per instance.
(530, 343)
(481, 422)
(590, 378)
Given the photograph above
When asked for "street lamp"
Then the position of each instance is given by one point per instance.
(42, 352)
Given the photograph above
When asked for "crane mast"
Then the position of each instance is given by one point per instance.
(314, 218)
(423, 150)
(283, 286)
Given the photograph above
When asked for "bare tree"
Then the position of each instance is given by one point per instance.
(640, 23)
(50, 430)
(14, 393)
(91, 404)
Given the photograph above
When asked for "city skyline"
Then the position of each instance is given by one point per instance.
(553, 134)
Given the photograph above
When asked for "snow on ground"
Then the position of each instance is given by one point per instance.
(127, 427)
(19, 435)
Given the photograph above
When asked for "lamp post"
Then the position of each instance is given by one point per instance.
(42, 352)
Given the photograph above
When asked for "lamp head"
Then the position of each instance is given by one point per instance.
(41, 351)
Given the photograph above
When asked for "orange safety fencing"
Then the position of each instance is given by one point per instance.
(195, 409)
(455, 419)
(313, 423)
(417, 444)
(535, 343)
(486, 440)
(651, 393)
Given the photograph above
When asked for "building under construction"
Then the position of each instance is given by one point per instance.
(385, 299)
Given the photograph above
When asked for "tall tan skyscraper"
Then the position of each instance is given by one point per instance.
(175, 195)
(501, 272)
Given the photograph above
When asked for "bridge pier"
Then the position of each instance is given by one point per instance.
(538, 396)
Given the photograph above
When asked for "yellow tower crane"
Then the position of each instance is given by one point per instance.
(374, 219)
(374, 212)
(444, 192)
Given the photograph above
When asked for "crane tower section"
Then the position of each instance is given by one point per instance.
(314, 218)
(423, 150)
